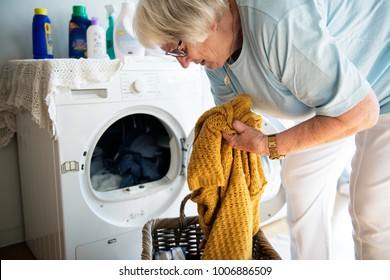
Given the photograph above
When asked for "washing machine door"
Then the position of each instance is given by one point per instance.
(132, 167)
(273, 198)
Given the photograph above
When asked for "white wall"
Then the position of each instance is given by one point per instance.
(16, 43)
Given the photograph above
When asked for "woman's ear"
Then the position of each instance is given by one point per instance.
(214, 27)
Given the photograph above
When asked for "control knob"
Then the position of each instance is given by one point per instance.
(138, 86)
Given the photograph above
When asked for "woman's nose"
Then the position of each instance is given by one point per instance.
(184, 61)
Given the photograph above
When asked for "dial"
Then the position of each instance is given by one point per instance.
(139, 86)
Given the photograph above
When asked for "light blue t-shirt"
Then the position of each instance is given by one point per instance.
(306, 57)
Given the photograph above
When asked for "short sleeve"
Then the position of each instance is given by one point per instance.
(311, 65)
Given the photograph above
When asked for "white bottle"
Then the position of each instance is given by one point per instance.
(96, 40)
(125, 43)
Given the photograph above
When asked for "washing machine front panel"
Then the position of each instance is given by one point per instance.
(156, 84)
(146, 81)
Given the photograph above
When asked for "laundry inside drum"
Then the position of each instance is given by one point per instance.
(132, 152)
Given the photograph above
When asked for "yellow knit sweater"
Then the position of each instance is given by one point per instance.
(226, 183)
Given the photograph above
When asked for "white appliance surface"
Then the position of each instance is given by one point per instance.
(70, 216)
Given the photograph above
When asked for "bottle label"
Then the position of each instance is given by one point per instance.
(126, 43)
(49, 42)
(77, 41)
(72, 26)
(96, 42)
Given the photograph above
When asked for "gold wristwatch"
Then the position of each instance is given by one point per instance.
(273, 148)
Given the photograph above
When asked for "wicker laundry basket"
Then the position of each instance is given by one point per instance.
(185, 232)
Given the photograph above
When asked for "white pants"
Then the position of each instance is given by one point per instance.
(370, 192)
(310, 178)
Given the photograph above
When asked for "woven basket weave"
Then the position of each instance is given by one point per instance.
(185, 232)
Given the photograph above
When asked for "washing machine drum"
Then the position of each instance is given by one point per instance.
(134, 151)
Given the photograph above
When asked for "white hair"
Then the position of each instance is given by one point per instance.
(157, 22)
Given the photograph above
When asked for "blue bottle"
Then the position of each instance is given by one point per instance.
(41, 34)
(78, 26)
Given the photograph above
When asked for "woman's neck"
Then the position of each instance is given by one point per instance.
(236, 30)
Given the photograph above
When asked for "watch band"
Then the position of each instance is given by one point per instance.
(273, 148)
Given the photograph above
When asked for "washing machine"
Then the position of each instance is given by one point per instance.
(119, 159)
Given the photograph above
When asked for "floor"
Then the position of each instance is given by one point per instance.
(342, 248)
(16, 252)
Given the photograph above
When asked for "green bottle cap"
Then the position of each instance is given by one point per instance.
(79, 11)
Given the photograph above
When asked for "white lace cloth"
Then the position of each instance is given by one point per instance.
(30, 85)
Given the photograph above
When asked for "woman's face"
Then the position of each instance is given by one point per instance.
(212, 53)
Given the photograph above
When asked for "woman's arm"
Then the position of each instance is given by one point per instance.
(315, 131)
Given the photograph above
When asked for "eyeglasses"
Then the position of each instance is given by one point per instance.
(177, 52)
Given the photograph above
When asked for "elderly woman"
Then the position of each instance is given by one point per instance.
(323, 64)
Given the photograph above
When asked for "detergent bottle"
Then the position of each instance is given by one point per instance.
(125, 44)
(78, 26)
(111, 10)
(41, 35)
(96, 40)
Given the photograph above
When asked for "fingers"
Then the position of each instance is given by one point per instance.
(246, 138)
(231, 139)
(227, 137)
(239, 126)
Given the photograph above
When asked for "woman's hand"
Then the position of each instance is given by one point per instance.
(247, 138)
